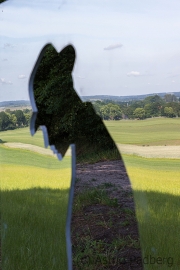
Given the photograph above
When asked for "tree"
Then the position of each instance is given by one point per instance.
(4, 121)
(153, 99)
(153, 105)
(111, 111)
(148, 110)
(128, 111)
(21, 120)
(97, 107)
(170, 98)
(28, 118)
(168, 111)
(27, 111)
(13, 121)
(139, 113)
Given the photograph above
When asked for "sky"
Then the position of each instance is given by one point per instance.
(123, 47)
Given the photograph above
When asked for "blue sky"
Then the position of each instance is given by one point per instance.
(123, 47)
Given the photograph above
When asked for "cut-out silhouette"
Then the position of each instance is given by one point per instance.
(67, 119)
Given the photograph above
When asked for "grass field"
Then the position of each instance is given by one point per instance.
(22, 135)
(33, 206)
(156, 187)
(154, 131)
(34, 199)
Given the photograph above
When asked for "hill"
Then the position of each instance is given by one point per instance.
(22, 103)
(126, 98)
(15, 103)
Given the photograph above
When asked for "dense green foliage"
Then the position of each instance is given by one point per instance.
(67, 118)
(14, 119)
(151, 106)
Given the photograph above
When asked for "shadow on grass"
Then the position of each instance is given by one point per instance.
(159, 227)
(1, 141)
(33, 229)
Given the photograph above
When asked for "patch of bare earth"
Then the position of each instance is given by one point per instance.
(168, 151)
(105, 236)
(157, 151)
(33, 148)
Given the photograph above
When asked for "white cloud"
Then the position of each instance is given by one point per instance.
(22, 76)
(3, 81)
(173, 81)
(113, 46)
(133, 73)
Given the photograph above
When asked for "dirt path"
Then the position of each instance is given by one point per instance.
(33, 148)
(144, 151)
(151, 151)
(113, 172)
(113, 227)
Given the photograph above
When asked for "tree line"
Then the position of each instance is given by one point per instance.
(12, 119)
(151, 106)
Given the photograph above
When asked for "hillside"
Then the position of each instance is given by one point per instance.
(126, 98)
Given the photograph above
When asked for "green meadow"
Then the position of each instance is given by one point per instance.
(153, 131)
(156, 188)
(34, 199)
(35, 188)
(22, 135)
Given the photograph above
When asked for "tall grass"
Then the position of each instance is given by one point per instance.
(35, 188)
(34, 200)
(156, 189)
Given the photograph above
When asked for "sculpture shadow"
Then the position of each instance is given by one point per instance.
(69, 120)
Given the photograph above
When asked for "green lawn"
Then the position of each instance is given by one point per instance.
(34, 193)
(22, 135)
(34, 200)
(28, 158)
(156, 187)
(154, 131)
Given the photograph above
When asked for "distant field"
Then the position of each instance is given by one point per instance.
(22, 135)
(15, 108)
(155, 131)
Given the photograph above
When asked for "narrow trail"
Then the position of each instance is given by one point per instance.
(33, 148)
(169, 151)
(172, 152)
